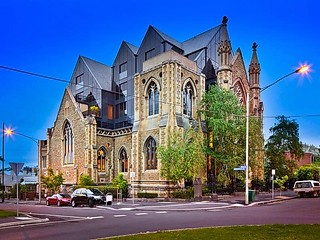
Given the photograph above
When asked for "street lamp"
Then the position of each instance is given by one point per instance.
(10, 132)
(2, 159)
(303, 70)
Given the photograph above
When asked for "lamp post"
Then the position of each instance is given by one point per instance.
(2, 159)
(303, 69)
(10, 132)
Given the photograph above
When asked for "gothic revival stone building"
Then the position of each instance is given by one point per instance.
(112, 119)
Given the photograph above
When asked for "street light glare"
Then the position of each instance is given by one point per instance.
(8, 131)
(304, 69)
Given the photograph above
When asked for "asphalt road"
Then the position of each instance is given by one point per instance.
(91, 223)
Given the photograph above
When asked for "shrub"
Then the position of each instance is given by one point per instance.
(122, 184)
(187, 193)
(86, 180)
(147, 195)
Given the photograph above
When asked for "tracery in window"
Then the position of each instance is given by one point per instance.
(188, 99)
(150, 150)
(123, 160)
(153, 93)
(101, 161)
(68, 141)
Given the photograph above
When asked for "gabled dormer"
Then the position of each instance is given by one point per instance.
(154, 43)
(124, 65)
(89, 78)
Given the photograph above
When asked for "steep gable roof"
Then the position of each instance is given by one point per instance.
(100, 72)
(167, 38)
(133, 48)
(199, 41)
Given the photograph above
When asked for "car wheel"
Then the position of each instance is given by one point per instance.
(59, 204)
(90, 203)
(73, 203)
(47, 203)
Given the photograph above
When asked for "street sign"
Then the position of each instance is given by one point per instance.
(16, 167)
(241, 168)
(238, 169)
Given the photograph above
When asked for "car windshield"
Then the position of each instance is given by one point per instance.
(96, 191)
(65, 195)
(303, 185)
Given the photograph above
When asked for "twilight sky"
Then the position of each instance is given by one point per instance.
(46, 37)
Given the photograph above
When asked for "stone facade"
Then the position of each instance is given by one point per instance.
(166, 94)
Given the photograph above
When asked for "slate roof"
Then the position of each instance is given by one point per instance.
(133, 48)
(168, 38)
(195, 43)
(101, 72)
(200, 41)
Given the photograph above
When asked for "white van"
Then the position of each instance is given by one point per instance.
(307, 188)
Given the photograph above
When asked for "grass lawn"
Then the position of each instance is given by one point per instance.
(4, 213)
(267, 232)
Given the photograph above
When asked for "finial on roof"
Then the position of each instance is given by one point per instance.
(224, 20)
(254, 46)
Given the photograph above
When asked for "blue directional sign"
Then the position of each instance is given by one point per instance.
(241, 168)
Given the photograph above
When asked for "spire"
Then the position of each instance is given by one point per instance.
(254, 82)
(224, 57)
(254, 67)
(224, 32)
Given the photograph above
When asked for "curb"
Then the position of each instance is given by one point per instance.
(271, 201)
(23, 222)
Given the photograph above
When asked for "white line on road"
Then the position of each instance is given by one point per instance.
(141, 214)
(120, 215)
(162, 212)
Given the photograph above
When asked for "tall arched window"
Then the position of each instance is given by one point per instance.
(123, 160)
(68, 141)
(101, 161)
(151, 154)
(188, 99)
(153, 99)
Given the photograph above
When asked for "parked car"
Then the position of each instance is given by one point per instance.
(85, 196)
(307, 188)
(59, 199)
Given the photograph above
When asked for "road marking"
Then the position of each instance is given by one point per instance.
(141, 214)
(97, 217)
(126, 209)
(162, 212)
(65, 216)
(120, 215)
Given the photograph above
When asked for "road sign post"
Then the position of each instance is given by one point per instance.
(273, 172)
(132, 175)
(16, 167)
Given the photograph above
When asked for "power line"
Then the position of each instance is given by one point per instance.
(92, 87)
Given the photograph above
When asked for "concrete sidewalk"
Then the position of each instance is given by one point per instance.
(225, 201)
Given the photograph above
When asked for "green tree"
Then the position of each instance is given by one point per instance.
(86, 180)
(308, 172)
(121, 183)
(284, 138)
(183, 158)
(225, 121)
(52, 181)
(281, 181)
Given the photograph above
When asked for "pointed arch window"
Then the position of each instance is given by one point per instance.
(151, 154)
(153, 93)
(188, 99)
(68, 141)
(101, 161)
(123, 160)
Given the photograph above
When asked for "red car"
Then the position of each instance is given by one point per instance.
(59, 199)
